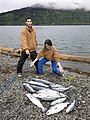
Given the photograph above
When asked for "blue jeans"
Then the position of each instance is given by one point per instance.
(42, 62)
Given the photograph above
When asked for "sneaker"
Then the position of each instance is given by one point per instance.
(19, 75)
(39, 76)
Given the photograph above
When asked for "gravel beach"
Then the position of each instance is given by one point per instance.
(14, 105)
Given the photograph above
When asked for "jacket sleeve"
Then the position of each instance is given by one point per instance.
(36, 41)
(41, 53)
(24, 44)
(36, 38)
(56, 55)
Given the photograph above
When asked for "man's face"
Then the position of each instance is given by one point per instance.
(29, 22)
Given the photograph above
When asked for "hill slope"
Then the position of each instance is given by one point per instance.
(43, 16)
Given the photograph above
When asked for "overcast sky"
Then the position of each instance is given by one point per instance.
(8, 5)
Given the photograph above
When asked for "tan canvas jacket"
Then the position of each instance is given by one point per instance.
(28, 39)
(51, 54)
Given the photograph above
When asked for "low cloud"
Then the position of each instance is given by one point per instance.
(58, 4)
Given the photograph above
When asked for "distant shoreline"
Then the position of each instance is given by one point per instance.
(52, 25)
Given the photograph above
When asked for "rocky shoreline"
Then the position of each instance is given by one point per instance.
(14, 105)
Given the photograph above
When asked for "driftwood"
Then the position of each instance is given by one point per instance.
(75, 58)
(16, 52)
(6, 50)
(10, 51)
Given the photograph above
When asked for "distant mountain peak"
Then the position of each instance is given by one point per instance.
(38, 5)
(44, 5)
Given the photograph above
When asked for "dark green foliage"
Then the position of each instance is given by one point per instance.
(42, 16)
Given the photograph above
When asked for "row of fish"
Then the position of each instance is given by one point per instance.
(40, 89)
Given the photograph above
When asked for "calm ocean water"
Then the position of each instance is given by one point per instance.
(74, 40)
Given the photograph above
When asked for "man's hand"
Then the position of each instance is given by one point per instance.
(27, 52)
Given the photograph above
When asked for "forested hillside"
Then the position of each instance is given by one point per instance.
(42, 16)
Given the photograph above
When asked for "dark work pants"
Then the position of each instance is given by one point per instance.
(23, 58)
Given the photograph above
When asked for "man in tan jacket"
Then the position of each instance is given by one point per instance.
(28, 45)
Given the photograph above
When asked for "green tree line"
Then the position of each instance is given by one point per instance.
(42, 16)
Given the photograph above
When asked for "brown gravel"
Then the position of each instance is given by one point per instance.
(14, 105)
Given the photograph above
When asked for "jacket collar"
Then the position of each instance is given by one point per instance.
(29, 29)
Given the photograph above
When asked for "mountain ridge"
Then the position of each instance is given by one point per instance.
(45, 16)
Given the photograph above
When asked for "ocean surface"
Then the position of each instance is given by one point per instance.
(72, 40)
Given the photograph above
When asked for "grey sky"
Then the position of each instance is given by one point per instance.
(7, 5)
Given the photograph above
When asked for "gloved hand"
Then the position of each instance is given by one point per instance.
(60, 67)
(27, 52)
(31, 64)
